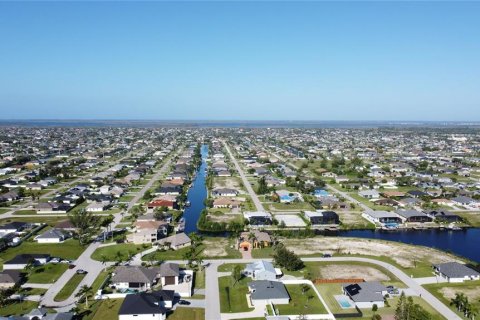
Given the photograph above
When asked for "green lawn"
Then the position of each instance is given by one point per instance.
(262, 253)
(18, 308)
(293, 206)
(472, 217)
(20, 212)
(100, 279)
(111, 252)
(32, 291)
(233, 298)
(3, 210)
(69, 287)
(108, 309)
(182, 313)
(199, 279)
(37, 219)
(69, 249)
(48, 273)
(299, 303)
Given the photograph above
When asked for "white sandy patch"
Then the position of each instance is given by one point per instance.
(404, 255)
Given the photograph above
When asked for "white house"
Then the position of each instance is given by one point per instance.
(455, 272)
(369, 194)
(260, 270)
(52, 236)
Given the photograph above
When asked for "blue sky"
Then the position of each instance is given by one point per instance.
(228, 60)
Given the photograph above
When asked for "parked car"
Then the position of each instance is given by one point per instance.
(327, 255)
(55, 260)
(184, 302)
(71, 266)
(81, 271)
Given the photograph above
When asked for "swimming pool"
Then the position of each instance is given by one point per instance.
(344, 302)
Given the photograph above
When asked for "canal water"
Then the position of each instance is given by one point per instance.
(196, 195)
(464, 243)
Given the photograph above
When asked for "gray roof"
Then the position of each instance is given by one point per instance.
(52, 234)
(381, 214)
(410, 213)
(10, 276)
(365, 291)
(265, 289)
(37, 312)
(176, 239)
(169, 270)
(134, 274)
(455, 270)
(261, 266)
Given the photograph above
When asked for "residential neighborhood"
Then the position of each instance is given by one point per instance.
(219, 224)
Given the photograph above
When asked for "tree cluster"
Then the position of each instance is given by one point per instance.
(408, 310)
(287, 259)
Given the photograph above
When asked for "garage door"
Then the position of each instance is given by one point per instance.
(169, 280)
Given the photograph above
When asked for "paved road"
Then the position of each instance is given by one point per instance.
(246, 183)
(85, 262)
(213, 299)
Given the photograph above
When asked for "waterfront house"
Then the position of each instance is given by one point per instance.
(413, 216)
(320, 217)
(382, 217)
(224, 192)
(176, 241)
(442, 215)
(258, 218)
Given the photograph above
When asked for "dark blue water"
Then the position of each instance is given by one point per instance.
(464, 243)
(196, 195)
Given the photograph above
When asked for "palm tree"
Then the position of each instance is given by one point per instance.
(103, 259)
(86, 292)
(473, 312)
(305, 288)
(119, 256)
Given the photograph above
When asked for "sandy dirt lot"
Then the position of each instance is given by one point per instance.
(404, 255)
(224, 218)
(215, 248)
(352, 218)
(473, 294)
(345, 271)
(226, 182)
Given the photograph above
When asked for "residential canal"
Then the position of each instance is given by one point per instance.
(465, 243)
(196, 195)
